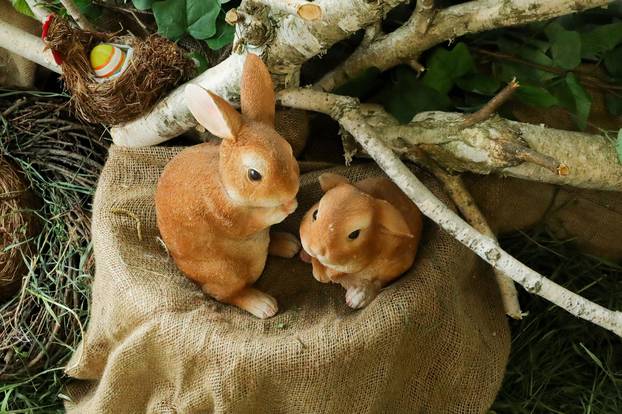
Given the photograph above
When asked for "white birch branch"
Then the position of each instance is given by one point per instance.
(346, 111)
(301, 8)
(401, 45)
(461, 197)
(38, 9)
(26, 45)
(284, 49)
(77, 16)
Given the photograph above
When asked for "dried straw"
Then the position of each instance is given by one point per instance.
(17, 225)
(157, 66)
(61, 159)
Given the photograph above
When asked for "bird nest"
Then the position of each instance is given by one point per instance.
(157, 65)
(60, 159)
(17, 226)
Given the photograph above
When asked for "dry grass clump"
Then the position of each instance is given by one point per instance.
(560, 364)
(17, 225)
(40, 326)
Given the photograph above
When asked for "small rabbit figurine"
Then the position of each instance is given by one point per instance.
(361, 235)
(216, 203)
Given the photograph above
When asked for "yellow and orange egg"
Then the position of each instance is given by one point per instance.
(108, 61)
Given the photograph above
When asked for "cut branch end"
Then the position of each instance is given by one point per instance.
(309, 12)
(232, 17)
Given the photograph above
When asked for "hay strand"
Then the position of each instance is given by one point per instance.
(61, 160)
(17, 226)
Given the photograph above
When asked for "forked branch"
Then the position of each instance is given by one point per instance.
(476, 16)
(455, 188)
(346, 111)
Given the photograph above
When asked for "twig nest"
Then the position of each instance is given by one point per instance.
(114, 79)
(16, 227)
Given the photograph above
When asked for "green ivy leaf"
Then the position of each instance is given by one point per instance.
(90, 10)
(614, 104)
(619, 145)
(201, 17)
(170, 16)
(22, 7)
(613, 62)
(445, 66)
(408, 96)
(573, 97)
(361, 84)
(535, 96)
(565, 46)
(534, 55)
(600, 40)
(142, 4)
(478, 83)
(224, 35)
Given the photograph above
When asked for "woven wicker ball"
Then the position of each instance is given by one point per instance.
(16, 226)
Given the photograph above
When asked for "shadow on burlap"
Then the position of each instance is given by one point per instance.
(435, 341)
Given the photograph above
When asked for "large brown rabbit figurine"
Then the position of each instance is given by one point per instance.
(216, 203)
(361, 235)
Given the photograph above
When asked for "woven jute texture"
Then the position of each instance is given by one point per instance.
(435, 341)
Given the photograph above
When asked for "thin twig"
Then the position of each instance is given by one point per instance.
(491, 106)
(13, 107)
(526, 154)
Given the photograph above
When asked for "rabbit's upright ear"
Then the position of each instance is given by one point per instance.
(331, 180)
(391, 220)
(257, 96)
(213, 112)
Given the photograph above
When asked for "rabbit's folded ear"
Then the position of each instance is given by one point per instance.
(331, 180)
(257, 96)
(391, 220)
(213, 112)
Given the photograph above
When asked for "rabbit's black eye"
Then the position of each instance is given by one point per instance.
(315, 215)
(253, 175)
(354, 234)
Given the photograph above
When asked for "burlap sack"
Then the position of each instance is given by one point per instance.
(435, 341)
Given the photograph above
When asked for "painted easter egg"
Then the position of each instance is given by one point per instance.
(107, 60)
